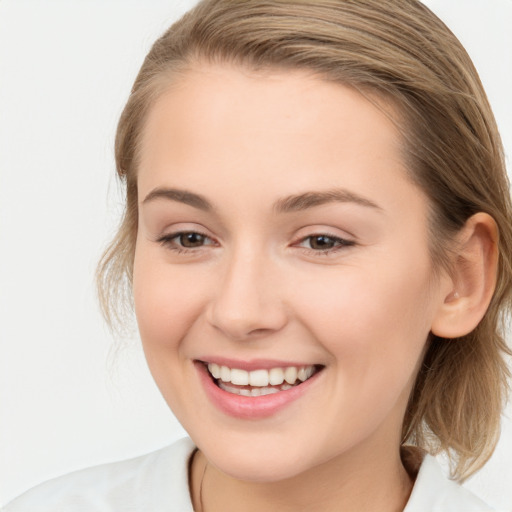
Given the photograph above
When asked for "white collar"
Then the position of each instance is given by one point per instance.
(434, 492)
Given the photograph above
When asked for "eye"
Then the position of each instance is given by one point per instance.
(324, 243)
(190, 240)
(185, 240)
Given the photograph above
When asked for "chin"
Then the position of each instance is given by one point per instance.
(254, 464)
(256, 470)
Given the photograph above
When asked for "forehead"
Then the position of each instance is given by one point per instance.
(240, 97)
(268, 129)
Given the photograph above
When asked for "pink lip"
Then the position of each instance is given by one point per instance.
(246, 407)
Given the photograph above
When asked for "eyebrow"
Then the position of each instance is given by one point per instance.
(291, 203)
(311, 199)
(180, 196)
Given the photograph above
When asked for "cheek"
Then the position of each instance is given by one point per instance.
(167, 301)
(365, 316)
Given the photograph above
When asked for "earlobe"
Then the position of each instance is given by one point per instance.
(472, 280)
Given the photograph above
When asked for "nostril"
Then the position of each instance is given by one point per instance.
(245, 304)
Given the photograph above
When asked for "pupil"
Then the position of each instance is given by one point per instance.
(191, 240)
(322, 242)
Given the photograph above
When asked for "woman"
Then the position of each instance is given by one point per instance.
(317, 235)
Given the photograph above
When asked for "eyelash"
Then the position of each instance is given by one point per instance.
(340, 244)
(170, 241)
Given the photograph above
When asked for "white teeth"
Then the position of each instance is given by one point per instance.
(214, 370)
(225, 374)
(251, 392)
(261, 378)
(304, 373)
(276, 376)
(290, 374)
(255, 392)
(239, 377)
(268, 391)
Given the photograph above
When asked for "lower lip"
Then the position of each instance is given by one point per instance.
(246, 407)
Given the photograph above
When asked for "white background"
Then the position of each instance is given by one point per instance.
(66, 68)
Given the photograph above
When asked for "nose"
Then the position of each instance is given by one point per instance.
(248, 302)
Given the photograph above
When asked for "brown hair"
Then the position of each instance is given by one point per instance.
(401, 51)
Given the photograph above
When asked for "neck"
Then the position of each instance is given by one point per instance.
(342, 483)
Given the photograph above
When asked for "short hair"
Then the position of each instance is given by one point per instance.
(400, 51)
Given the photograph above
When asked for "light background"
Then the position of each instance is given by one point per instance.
(66, 68)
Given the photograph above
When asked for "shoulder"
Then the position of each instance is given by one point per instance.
(156, 481)
(433, 492)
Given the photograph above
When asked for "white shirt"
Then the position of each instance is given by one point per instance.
(158, 482)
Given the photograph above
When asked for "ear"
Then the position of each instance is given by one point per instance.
(471, 284)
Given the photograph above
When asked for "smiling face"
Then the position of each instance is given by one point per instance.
(279, 233)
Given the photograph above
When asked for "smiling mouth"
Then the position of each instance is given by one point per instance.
(260, 382)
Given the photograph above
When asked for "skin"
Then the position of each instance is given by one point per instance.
(259, 287)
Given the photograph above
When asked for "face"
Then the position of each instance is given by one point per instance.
(280, 238)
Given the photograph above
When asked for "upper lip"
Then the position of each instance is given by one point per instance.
(253, 364)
